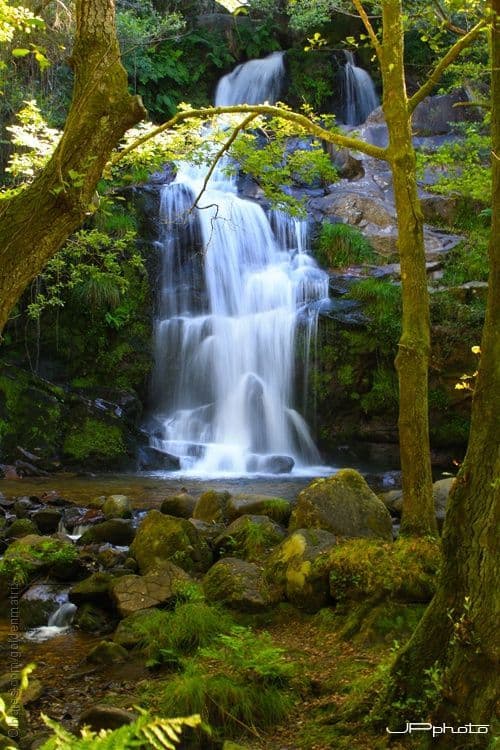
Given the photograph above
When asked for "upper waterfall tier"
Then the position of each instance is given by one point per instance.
(253, 82)
(359, 96)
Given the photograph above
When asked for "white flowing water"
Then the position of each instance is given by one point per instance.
(59, 623)
(359, 95)
(237, 285)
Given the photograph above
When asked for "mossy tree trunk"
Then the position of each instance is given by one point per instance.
(412, 361)
(35, 223)
(459, 630)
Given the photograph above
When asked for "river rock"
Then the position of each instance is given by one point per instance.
(276, 508)
(181, 505)
(240, 585)
(212, 507)
(47, 520)
(23, 506)
(344, 505)
(276, 464)
(107, 652)
(93, 619)
(356, 207)
(21, 527)
(160, 586)
(249, 537)
(94, 589)
(117, 506)
(347, 166)
(38, 603)
(151, 459)
(208, 531)
(117, 531)
(299, 565)
(105, 717)
(440, 491)
(160, 537)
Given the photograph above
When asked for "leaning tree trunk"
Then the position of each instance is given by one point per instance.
(412, 361)
(35, 223)
(459, 630)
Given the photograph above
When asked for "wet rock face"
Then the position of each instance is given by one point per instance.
(342, 504)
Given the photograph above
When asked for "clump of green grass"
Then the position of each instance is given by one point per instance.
(341, 245)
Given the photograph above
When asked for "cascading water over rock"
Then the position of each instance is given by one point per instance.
(358, 92)
(236, 287)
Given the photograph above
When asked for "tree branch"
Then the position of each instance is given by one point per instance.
(444, 63)
(369, 28)
(220, 153)
(204, 113)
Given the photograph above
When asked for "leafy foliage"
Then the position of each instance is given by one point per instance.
(35, 142)
(145, 732)
(382, 303)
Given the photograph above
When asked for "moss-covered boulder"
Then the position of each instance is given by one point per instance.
(107, 652)
(94, 589)
(158, 587)
(212, 506)
(129, 632)
(94, 619)
(117, 506)
(249, 537)
(405, 570)
(299, 566)
(32, 555)
(117, 531)
(21, 527)
(276, 508)
(181, 505)
(160, 538)
(240, 585)
(344, 505)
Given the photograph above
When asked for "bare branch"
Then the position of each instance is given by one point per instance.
(220, 153)
(444, 63)
(205, 113)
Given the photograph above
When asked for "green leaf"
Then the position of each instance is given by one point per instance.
(20, 52)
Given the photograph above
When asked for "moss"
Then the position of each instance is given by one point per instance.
(94, 439)
(405, 570)
(33, 554)
(21, 527)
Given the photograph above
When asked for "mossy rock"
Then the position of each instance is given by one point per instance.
(212, 507)
(405, 570)
(31, 555)
(160, 538)
(117, 506)
(129, 632)
(21, 527)
(240, 585)
(299, 566)
(95, 590)
(107, 652)
(93, 619)
(276, 508)
(116, 531)
(181, 505)
(249, 537)
(344, 505)
(96, 442)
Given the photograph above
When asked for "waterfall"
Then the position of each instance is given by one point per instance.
(58, 623)
(358, 92)
(236, 286)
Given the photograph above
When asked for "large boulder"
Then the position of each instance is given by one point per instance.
(160, 537)
(240, 585)
(276, 508)
(250, 537)
(117, 506)
(344, 505)
(299, 566)
(159, 587)
(95, 590)
(107, 652)
(181, 505)
(212, 507)
(435, 114)
(116, 531)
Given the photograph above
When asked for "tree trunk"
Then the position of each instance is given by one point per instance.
(35, 223)
(412, 361)
(459, 630)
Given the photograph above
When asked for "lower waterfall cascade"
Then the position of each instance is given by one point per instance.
(237, 287)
